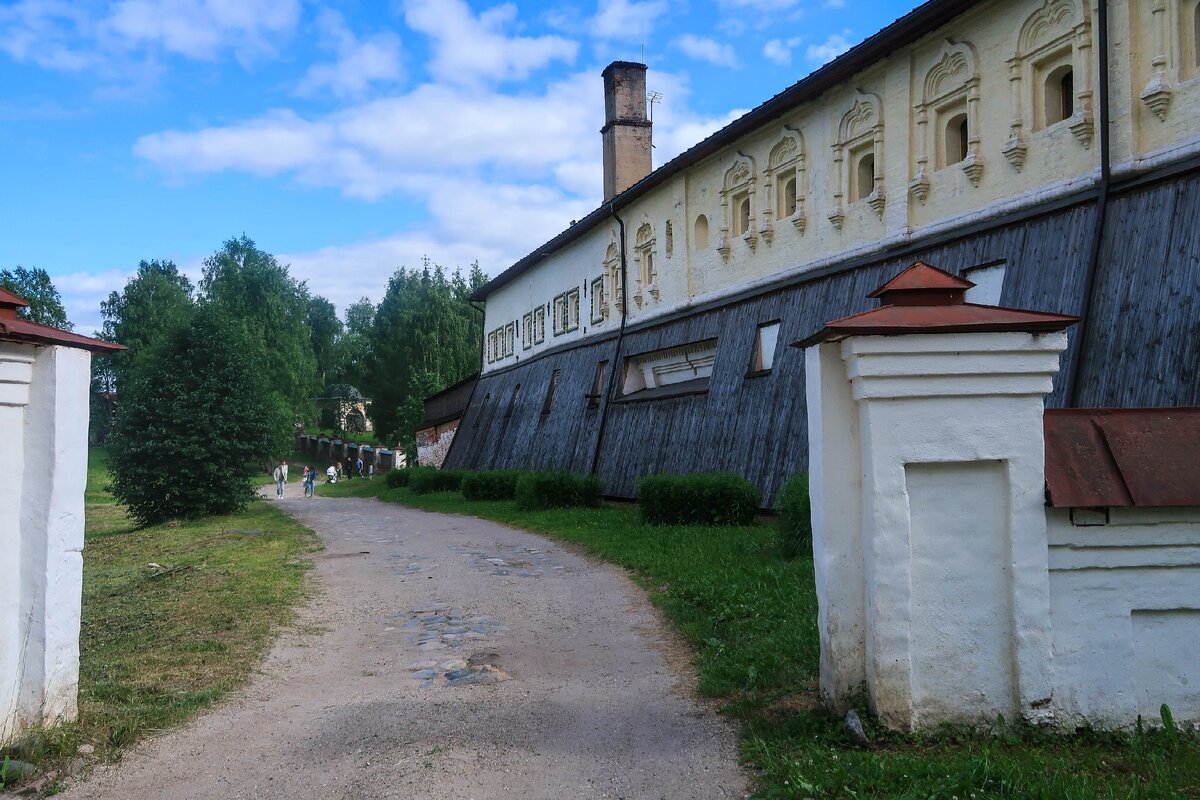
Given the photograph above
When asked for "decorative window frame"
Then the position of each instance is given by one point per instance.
(491, 346)
(559, 314)
(644, 255)
(527, 331)
(1176, 53)
(738, 182)
(860, 128)
(613, 279)
(572, 310)
(952, 83)
(785, 161)
(510, 339)
(599, 301)
(539, 325)
(1056, 28)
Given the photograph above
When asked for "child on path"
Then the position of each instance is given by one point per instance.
(310, 482)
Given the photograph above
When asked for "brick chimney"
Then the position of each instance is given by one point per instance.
(626, 131)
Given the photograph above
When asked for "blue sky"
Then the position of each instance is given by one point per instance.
(351, 137)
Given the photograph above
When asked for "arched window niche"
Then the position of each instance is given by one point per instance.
(739, 206)
(948, 119)
(1054, 44)
(785, 179)
(647, 267)
(614, 289)
(700, 233)
(858, 158)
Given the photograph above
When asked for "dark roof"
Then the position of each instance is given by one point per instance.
(917, 23)
(13, 329)
(925, 299)
(450, 403)
(1143, 457)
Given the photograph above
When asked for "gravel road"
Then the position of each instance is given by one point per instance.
(448, 657)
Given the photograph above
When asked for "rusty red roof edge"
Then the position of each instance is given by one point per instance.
(894, 320)
(1122, 457)
(20, 330)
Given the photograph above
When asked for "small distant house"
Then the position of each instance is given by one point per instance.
(442, 414)
(344, 408)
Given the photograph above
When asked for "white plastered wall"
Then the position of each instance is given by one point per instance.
(1057, 160)
(1125, 607)
(44, 420)
(928, 526)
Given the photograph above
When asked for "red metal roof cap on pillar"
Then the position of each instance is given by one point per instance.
(1105, 457)
(925, 299)
(20, 330)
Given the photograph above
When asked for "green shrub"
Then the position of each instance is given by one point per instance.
(557, 489)
(795, 517)
(396, 478)
(426, 480)
(710, 498)
(499, 484)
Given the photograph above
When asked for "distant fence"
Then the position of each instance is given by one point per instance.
(326, 451)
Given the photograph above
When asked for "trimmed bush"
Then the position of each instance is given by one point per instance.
(709, 498)
(499, 484)
(395, 478)
(795, 517)
(558, 489)
(427, 480)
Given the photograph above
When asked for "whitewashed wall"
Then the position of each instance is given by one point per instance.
(44, 420)
(1057, 159)
(1125, 608)
(946, 587)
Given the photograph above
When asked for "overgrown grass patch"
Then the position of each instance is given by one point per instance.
(751, 611)
(174, 617)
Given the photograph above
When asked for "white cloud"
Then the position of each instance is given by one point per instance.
(359, 63)
(82, 293)
(626, 19)
(202, 29)
(780, 50)
(703, 49)
(469, 49)
(45, 33)
(830, 49)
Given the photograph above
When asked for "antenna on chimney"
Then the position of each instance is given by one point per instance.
(652, 98)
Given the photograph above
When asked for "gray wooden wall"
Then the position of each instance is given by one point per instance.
(1143, 346)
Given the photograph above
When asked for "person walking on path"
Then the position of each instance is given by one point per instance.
(280, 475)
(310, 482)
(358, 465)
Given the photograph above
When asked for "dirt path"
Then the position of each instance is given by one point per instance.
(573, 691)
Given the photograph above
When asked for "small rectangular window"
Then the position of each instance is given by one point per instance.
(527, 331)
(989, 283)
(598, 386)
(765, 341)
(572, 310)
(546, 406)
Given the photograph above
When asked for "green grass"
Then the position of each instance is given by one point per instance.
(751, 615)
(160, 643)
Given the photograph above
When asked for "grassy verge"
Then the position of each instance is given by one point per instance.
(751, 615)
(174, 617)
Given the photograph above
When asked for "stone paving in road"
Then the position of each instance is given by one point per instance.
(448, 657)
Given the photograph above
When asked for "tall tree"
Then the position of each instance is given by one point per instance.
(425, 337)
(200, 385)
(36, 288)
(325, 329)
(354, 345)
(155, 302)
(246, 284)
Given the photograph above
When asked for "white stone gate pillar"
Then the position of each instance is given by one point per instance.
(44, 393)
(929, 528)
